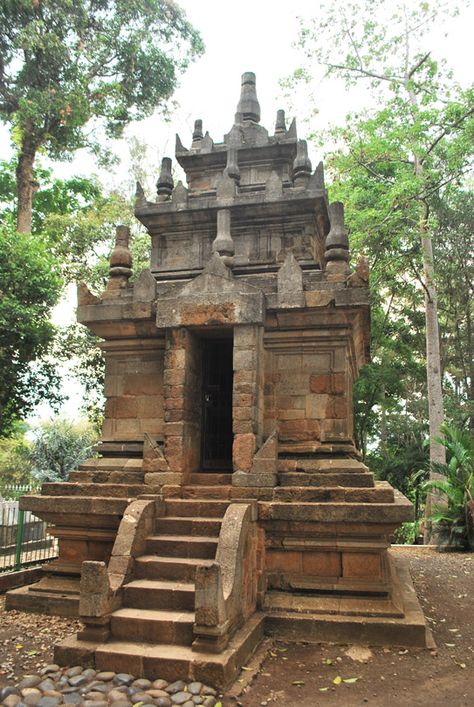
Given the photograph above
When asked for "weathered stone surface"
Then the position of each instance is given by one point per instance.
(243, 451)
(243, 339)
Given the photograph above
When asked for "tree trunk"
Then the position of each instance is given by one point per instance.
(433, 371)
(25, 184)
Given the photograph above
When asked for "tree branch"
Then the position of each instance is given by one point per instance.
(365, 73)
(418, 65)
(444, 132)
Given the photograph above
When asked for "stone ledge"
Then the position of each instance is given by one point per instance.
(390, 513)
(411, 630)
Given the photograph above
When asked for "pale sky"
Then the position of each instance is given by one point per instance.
(247, 35)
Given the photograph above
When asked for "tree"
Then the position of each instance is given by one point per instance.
(15, 463)
(66, 64)
(454, 518)
(454, 249)
(30, 285)
(59, 446)
(407, 151)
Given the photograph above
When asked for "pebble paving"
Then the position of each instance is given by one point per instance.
(53, 686)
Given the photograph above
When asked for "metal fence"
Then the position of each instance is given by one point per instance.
(24, 538)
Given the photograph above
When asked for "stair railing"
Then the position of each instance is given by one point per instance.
(101, 584)
(226, 589)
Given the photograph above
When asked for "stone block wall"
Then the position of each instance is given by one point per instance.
(308, 389)
(247, 395)
(316, 557)
(182, 390)
(134, 389)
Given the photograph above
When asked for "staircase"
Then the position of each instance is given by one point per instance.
(152, 633)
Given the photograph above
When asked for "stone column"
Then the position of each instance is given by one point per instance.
(182, 402)
(248, 397)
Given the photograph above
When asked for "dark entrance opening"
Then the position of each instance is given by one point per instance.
(216, 444)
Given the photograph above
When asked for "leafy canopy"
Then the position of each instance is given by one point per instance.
(64, 62)
(59, 446)
(30, 285)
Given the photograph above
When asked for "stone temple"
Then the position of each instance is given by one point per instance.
(229, 501)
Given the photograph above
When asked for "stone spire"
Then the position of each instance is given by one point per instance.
(197, 133)
(120, 262)
(302, 164)
(280, 124)
(248, 107)
(337, 241)
(164, 185)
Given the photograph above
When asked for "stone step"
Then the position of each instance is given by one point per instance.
(172, 662)
(181, 546)
(211, 479)
(323, 466)
(318, 603)
(334, 495)
(207, 491)
(169, 525)
(326, 480)
(107, 477)
(334, 628)
(196, 508)
(111, 464)
(111, 490)
(159, 594)
(175, 568)
(152, 626)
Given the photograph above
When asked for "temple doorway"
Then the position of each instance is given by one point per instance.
(216, 428)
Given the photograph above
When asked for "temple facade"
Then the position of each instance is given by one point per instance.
(228, 500)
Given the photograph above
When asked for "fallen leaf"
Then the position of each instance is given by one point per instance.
(323, 689)
(244, 667)
(337, 680)
(350, 681)
(298, 682)
(327, 661)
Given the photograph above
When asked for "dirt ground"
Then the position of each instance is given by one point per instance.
(312, 675)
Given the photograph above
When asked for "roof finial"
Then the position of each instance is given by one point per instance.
(164, 185)
(302, 164)
(280, 125)
(248, 107)
(197, 132)
(120, 263)
(337, 242)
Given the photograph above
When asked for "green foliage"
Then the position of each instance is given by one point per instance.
(401, 168)
(65, 63)
(59, 446)
(455, 484)
(409, 533)
(30, 285)
(15, 464)
(454, 250)
(76, 342)
(68, 197)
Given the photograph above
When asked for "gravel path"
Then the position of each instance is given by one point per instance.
(52, 686)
